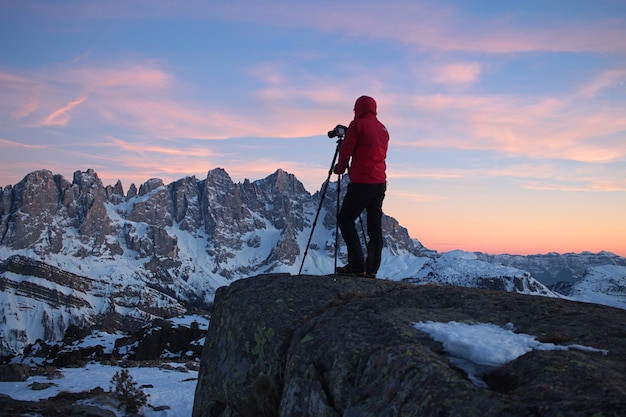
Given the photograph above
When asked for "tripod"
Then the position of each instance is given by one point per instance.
(319, 208)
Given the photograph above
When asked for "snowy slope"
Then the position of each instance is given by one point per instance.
(602, 285)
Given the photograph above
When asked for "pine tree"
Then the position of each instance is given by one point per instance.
(126, 392)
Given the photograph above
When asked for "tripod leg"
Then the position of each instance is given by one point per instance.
(337, 224)
(319, 207)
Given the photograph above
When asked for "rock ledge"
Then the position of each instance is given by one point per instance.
(281, 345)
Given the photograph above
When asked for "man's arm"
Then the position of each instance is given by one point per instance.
(347, 149)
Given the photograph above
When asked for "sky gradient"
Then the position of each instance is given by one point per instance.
(507, 118)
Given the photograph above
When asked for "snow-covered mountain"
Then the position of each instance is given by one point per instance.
(466, 269)
(553, 268)
(602, 285)
(81, 253)
(590, 277)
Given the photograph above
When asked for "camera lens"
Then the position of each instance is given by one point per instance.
(338, 131)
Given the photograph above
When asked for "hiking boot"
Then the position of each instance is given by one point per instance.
(370, 275)
(348, 270)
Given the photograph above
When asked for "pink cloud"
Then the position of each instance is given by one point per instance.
(147, 99)
(27, 109)
(458, 73)
(587, 186)
(435, 26)
(144, 99)
(414, 197)
(138, 170)
(61, 117)
(5, 143)
(20, 96)
(139, 96)
(196, 152)
(565, 37)
(562, 128)
(133, 76)
(615, 77)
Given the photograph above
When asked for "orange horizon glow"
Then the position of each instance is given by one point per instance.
(499, 248)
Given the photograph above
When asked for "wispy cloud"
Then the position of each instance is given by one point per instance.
(10, 80)
(27, 109)
(20, 96)
(592, 185)
(130, 75)
(440, 174)
(613, 78)
(439, 26)
(167, 150)
(458, 73)
(574, 36)
(61, 117)
(566, 127)
(145, 99)
(10, 144)
(414, 197)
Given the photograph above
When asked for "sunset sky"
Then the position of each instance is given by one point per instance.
(507, 118)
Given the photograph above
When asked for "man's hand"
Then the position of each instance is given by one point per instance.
(336, 170)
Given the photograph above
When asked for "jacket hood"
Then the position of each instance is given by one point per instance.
(363, 105)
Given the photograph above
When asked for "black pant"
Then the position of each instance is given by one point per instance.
(359, 197)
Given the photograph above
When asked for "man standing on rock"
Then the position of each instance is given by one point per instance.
(365, 143)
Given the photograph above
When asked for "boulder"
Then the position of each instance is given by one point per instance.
(281, 345)
(14, 372)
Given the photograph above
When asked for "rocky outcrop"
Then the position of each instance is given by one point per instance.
(27, 267)
(281, 345)
(37, 212)
(161, 339)
(37, 197)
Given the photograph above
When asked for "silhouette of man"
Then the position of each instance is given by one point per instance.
(365, 147)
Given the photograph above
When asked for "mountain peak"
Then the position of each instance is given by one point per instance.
(150, 185)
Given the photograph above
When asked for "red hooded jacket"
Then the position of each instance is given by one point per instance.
(366, 143)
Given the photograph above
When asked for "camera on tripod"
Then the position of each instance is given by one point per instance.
(338, 132)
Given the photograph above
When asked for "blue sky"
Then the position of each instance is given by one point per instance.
(507, 118)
